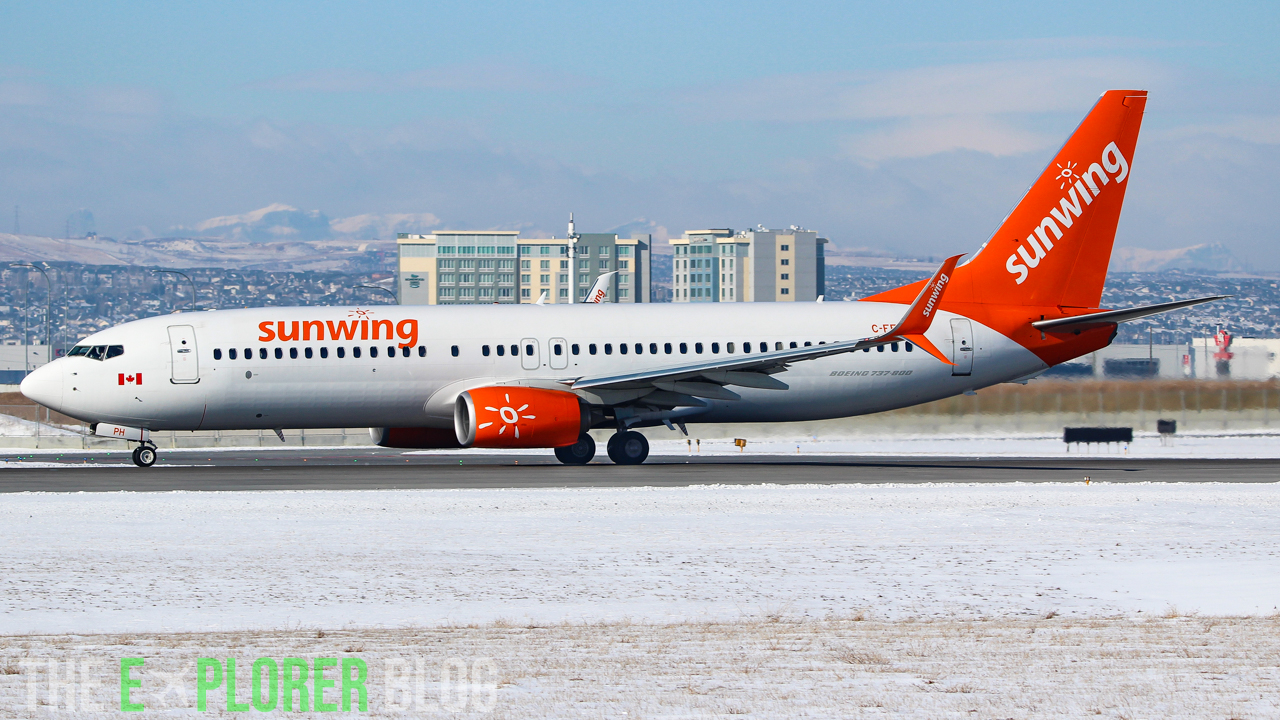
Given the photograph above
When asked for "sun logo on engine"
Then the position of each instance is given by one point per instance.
(1067, 174)
(509, 415)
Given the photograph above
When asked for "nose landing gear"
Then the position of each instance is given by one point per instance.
(144, 455)
(628, 448)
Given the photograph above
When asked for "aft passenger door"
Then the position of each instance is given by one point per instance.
(529, 355)
(559, 353)
(961, 346)
(182, 349)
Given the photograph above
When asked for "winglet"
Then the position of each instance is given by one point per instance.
(919, 317)
(600, 290)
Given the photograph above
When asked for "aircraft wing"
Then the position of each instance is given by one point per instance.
(709, 378)
(1092, 320)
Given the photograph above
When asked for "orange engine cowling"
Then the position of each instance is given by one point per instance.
(518, 417)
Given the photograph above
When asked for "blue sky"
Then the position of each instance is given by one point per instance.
(908, 126)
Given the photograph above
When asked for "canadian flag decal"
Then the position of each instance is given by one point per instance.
(134, 379)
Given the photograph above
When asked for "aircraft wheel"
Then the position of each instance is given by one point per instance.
(579, 453)
(628, 448)
(144, 456)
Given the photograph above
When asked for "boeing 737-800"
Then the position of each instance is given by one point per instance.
(541, 376)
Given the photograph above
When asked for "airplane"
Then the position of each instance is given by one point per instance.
(542, 375)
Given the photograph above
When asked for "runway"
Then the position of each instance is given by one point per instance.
(376, 468)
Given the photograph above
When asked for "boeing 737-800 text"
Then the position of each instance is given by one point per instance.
(540, 376)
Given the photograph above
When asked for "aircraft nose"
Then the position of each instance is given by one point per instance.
(44, 385)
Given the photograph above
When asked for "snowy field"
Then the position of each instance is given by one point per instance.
(188, 561)
(1011, 600)
(1167, 667)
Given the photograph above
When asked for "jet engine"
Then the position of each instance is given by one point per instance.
(513, 416)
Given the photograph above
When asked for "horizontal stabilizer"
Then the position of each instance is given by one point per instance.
(1093, 320)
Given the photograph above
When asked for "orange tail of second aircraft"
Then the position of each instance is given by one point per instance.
(1054, 248)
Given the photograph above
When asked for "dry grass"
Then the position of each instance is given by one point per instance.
(1170, 667)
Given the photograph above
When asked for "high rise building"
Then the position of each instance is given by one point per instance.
(720, 265)
(452, 267)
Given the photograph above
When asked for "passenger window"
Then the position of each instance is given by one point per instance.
(653, 348)
(894, 347)
(307, 353)
(557, 348)
(515, 350)
(528, 350)
(684, 348)
(866, 349)
(666, 347)
(373, 351)
(324, 353)
(608, 348)
(355, 351)
(217, 354)
(879, 348)
(808, 344)
(715, 348)
(391, 351)
(622, 348)
(591, 348)
(248, 353)
(342, 352)
(293, 353)
(776, 346)
(639, 348)
(728, 347)
(793, 343)
(262, 353)
(824, 342)
(697, 347)
(404, 351)
(502, 350)
(422, 351)
(574, 348)
(910, 347)
(484, 350)
(453, 350)
(231, 354)
(279, 354)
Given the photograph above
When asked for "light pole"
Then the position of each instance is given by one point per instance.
(48, 315)
(385, 290)
(188, 277)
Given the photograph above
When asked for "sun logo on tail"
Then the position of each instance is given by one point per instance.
(509, 415)
(1067, 174)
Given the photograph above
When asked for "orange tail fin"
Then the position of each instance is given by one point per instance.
(1054, 248)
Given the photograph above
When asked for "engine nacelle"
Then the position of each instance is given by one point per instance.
(512, 416)
(415, 438)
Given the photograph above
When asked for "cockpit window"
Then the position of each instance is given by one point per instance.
(97, 352)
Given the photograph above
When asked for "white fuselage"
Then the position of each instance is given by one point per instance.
(153, 384)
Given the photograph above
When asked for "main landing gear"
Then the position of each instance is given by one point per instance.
(627, 447)
(144, 456)
(579, 453)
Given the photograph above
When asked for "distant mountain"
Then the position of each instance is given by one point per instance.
(284, 223)
(1213, 257)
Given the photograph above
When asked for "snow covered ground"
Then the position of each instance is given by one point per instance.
(1201, 444)
(1011, 600)
(185, 561)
